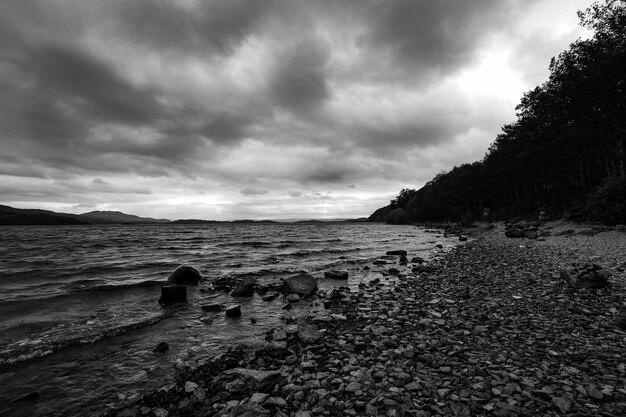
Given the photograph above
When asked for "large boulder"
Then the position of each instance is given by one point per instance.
(586, 275)
(185, 275)
(171, 294)
(245, 289)
(303, 285)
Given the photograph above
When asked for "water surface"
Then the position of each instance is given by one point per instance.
(78, 311)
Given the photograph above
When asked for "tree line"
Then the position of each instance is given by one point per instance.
(565, 153)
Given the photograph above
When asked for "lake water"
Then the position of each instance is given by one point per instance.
(79, 316)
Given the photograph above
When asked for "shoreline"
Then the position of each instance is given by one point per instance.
(492, 330)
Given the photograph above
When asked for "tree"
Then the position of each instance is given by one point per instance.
(569, 137)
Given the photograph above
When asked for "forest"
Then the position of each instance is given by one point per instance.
(566, 152)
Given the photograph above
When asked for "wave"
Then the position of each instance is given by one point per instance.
(277, 243)
(102, 285)
(27, 350)
(309, 252)
(255, 244)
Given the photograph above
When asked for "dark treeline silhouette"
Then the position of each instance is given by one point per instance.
(565, 154)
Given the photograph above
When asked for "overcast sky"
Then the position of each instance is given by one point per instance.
(237, 109)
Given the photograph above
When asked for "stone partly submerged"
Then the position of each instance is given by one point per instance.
(245, 289)
(233, 311)
(399, 252)
(336, 274)
(161, 347)
(303, 285)
(185, 275)
(171, 294)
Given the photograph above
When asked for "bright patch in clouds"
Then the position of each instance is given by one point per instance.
(274, 109)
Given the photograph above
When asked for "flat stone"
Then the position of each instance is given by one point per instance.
(190, 386)
(255, 380)
(308, 333)
(258, 398)
(353, 386)
(160, 412)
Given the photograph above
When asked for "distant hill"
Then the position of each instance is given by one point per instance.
(116, 217)
(194, 221)
(15, 216)
(253, 221)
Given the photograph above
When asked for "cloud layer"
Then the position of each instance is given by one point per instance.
(278, 108)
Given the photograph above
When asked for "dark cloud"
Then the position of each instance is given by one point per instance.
(253, 191)
(298, 82)
(88, 86)
(205, 26)
(427, 38)
(60, 93)
(290, 93)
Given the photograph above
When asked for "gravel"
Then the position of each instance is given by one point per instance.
(489, 330)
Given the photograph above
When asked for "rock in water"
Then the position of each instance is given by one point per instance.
(303, 285)
(185, 275)
(336, 274)
(212, 307)
(233, 311)
(171, 294)
(293, 298)
(245, 289)
(417, 260)
(396, 252)
(161, 347)
(270, 296)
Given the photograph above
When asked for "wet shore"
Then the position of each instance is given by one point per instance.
(490, 329)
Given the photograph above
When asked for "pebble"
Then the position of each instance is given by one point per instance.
(474, 336)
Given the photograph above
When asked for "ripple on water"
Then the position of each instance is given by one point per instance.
(93, 303)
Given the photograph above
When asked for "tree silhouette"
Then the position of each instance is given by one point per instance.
(566, 149)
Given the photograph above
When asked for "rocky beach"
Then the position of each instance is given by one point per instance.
(492, 328)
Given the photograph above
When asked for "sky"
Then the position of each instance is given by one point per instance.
(273, 109)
